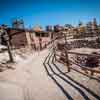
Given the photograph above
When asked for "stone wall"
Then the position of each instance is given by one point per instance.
(83, 43)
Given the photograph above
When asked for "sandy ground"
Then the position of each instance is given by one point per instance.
(29, 81)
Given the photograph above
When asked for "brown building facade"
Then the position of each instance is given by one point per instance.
(20, 38)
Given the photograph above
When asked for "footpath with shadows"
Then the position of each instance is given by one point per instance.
(66, 83)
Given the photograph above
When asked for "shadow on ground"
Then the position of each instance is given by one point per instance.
(67, 79)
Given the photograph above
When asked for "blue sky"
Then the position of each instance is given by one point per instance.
(49, 12)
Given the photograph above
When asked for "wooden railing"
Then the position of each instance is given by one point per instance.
(65, 55)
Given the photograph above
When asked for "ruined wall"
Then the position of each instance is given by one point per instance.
(19, 40)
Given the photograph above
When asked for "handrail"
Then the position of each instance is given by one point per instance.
(82, 67)
(70, 52)
(92, 70)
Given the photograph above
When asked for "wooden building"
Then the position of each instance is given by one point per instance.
(21, 38)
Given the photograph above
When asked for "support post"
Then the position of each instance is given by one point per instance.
(29, 42)
(66, 55)
(67, 61)
(6, 37)
(9, 52)
(54, 51)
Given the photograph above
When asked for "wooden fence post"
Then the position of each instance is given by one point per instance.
(66, 54)
(6, 37)
(67, 61)
(55, 54)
